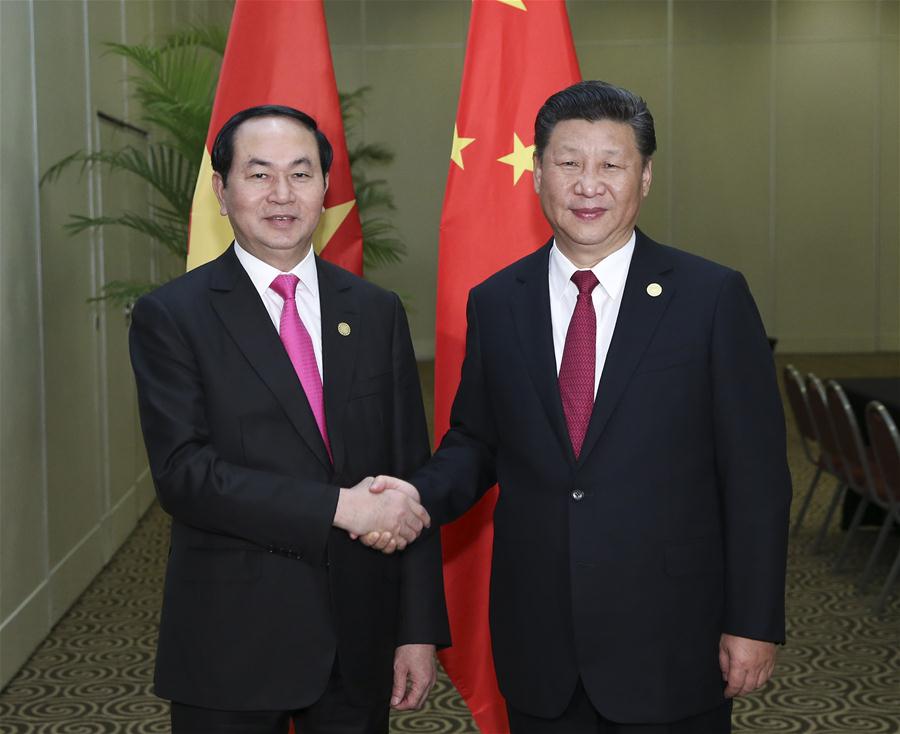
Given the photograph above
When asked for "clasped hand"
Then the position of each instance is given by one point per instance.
(385, 514)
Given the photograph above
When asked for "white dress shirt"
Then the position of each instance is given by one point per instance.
(307, 294)
(611, 271)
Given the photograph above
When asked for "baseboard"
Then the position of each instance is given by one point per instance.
(146, 492)
(120, 521)
(831, 344)
(74, 573)
(29, 624)
(22, 632)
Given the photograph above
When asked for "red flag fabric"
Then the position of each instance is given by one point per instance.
(278, 53)
(518, 53)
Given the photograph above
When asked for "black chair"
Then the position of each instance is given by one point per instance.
(828, 447)
(809, 439)
(856, 459)
(885, 441)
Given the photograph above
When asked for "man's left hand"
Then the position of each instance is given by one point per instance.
(746, 664)
(414, 675)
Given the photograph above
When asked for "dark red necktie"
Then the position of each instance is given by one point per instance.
(576, 372)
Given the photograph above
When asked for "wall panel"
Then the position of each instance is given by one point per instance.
(24, 616)
(825, 196)
(73, 477)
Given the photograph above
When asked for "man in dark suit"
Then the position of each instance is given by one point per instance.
(271, 384)
(623, 395)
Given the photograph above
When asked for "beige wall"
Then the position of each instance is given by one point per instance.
(778, 142)
(73, 475)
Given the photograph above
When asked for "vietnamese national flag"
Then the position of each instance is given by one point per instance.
(278, 53)
(518, 53)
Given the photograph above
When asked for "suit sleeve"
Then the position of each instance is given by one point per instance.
(194, 484)
(463, 468)
(751, 463)
(423, 611)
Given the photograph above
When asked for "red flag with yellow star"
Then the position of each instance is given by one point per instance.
(278, 53)
(518, 53)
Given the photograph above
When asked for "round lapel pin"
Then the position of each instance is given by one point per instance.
(654, 290)
(344, 328)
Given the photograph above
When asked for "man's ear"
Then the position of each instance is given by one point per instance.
(536, 173)
(646, 177)
(326, 181)
(219, 188)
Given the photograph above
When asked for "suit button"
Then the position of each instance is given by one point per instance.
(577, 495)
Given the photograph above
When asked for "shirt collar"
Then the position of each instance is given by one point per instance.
(611, 271)
(262, 274)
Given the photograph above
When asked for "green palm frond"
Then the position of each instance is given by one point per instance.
(173, 238)
(163, 167)
(352, 106)
(373, 194)
(370, 154)
(176, 87)
(381, 246)
(212, 38)
(381, 242)
(124, 292)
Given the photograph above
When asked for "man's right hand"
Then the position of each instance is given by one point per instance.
(382, 540)
(394, 516)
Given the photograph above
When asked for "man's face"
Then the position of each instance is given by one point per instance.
(591, 182)
(275, 189)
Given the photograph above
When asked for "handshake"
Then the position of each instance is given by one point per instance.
(384, 513)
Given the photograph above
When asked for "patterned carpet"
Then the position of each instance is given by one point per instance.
(839, 673)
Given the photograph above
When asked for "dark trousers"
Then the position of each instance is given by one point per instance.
(331, 714)
(582, 718)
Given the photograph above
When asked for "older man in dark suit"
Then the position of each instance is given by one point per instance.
(268, 380)
(623, 395)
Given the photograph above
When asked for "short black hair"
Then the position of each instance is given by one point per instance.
(223, 147)
(594, 101)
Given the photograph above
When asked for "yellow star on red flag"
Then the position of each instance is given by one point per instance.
(458, 145)
(518, 4)
(332, 218)
(521, 159)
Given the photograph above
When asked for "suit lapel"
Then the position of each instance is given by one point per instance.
(531, 312)
(244, 316)
(338, 306)
(638, 318)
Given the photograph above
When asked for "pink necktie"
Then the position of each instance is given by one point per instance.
(576, 372)
(299, 347)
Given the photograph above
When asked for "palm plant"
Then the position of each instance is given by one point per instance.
(175, 86)
(373, 196)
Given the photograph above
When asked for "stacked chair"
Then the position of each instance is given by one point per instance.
(809, 437)
(884, 438)
(829, 446)
(835, 444)
(857, 460)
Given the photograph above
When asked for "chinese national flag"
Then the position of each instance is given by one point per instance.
(278, 53)
(518, 53)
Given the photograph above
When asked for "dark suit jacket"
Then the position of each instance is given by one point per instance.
(677, 531)
(261, 592)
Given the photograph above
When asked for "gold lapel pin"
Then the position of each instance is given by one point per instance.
(654, 290)
(344, 328)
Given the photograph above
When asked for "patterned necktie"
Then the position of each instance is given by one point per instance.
(576, 372)
(299, 347)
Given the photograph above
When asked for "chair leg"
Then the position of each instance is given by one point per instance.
(851, 531)
(807, 499)
(888, 584)
(838, 493)
(876, 551)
